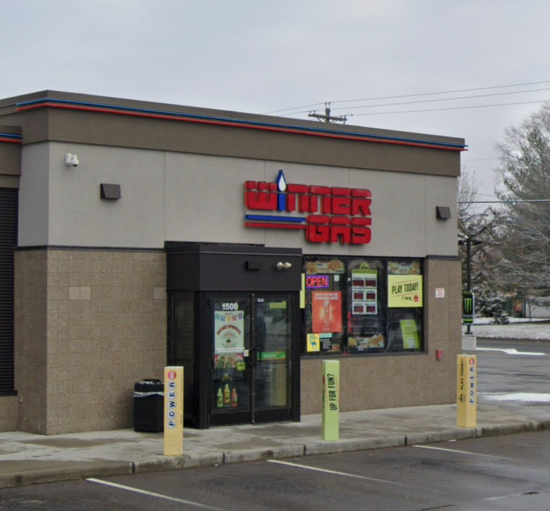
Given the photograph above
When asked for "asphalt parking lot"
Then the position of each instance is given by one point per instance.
(484, 474)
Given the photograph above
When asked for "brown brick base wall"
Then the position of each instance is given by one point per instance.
(88, 324)
(8, 413)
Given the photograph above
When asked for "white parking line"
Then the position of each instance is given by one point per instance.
(336, 472)
(151, 494)
(456, 451)
(512, 351)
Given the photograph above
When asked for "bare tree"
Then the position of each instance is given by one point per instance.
(477, 229)
(468, 195)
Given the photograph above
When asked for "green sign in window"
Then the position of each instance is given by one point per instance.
(273, 355)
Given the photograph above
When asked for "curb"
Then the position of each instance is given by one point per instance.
(354, 445)
(93, 469)
(160, 464)
(508, 429)
(440, 436)
(285, 451)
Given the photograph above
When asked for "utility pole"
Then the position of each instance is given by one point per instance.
(327, 117)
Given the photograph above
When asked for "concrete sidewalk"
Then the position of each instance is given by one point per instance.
(27, 459)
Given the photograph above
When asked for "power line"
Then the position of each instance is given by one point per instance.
(294, 108)
(409, 96)
(453, 108)
(511, 201)
(442, 92)
(445, 99)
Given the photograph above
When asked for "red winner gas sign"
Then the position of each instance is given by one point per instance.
(325, 214)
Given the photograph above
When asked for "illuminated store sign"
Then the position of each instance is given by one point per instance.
(332, 214)
(317, 281)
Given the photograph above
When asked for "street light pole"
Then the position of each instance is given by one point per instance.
(468, 241)
(468, 275)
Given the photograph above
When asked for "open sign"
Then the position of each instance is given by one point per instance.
(317, 281)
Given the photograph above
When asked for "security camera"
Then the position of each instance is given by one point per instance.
(71, 160)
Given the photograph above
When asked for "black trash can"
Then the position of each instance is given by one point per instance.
(149, 406)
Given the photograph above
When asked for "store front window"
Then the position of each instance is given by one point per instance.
(362, 305)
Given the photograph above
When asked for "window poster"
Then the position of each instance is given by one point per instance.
(315, 267)
(326, 343)
(404, 267)
(229, 331)
(229, 361)
(404, 290)
(326, 311)
(409, 332)
(313, 342)
(367, 342)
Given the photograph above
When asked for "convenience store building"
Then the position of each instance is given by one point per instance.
(246, 248)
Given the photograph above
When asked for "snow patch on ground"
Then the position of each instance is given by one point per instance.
(512, 351)
(517, 329)
(523, 397)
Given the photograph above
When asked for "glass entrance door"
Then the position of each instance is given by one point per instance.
(231, 363)
(272, 357)
(252, 376)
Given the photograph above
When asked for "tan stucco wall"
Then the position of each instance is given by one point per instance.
(192, 198)
(228, 139)
(88, 324)
(387, 381)
(10, 158)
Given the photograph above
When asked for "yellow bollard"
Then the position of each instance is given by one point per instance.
(466, 391)
(330, 429)
(173, 411)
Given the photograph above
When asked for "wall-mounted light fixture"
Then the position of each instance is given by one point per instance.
(71, 160)
(109, 191)
(283, 266)
(442, 212)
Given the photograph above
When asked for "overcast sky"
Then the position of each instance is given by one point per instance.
(263, 56)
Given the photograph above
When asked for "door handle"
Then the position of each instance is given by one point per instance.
(256, 356)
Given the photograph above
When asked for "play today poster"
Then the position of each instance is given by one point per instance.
(404, 290)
